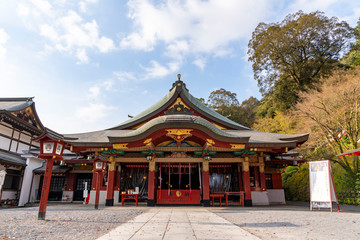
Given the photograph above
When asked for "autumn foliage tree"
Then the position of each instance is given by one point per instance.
(332, 115)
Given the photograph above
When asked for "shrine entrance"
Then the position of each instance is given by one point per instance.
(179, 183)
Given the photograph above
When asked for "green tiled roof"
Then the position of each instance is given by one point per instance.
(178, 118)
(148, 111)
(177, 91)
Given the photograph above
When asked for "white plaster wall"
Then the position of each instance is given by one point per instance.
(8, 194)
(69, 194)
(32, 163)
(276, 196)
(102, 197)
(2, 167)
(4, 143)
(260, 198)
(14, 142)
(22, 147)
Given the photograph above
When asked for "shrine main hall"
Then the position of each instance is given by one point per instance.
(177, 152)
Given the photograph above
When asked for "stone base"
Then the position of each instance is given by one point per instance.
(41, 216)
(109, 202)
(259, 198)
(150, 202)
(248, 203)
(206, 203)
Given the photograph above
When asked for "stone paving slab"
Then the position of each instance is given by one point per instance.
(178, 223)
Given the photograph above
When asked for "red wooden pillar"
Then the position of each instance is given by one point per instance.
(71, 182)
(246, 181)
(151, 184)
(262, 177)
(111, 183)
(205, 184)
(45, 188)
(97, 194)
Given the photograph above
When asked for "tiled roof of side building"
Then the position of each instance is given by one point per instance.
(257, 136)
(14, 104)
(11, 158)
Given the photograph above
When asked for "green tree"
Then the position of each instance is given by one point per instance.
(289, 57)
(226, 103)
(352, 58)
(221, 100)
(248, 111)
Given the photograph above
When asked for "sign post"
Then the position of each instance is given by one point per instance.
(322, 190)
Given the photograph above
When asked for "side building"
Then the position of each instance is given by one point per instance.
(19, 125)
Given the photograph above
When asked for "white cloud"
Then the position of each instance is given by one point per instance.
(156, 70)
(125, 76)
(200, 63)
(84, 4)
(108, 84)
(94, 91)
(43, 6)
(191, 28)
(65, 30)
(203, 25)
(4, 37)
(22, 10)
(82, 56)
(94, 112)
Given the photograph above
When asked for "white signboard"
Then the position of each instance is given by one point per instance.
(322, 190)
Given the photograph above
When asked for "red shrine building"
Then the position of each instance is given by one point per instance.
(180, 152)
(177, 152)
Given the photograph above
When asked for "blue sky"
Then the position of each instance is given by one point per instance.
(91, 63)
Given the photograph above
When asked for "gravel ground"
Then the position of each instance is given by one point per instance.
(294, 222)
(70, 221)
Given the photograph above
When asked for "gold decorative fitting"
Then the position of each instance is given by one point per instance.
(179, 76)
(120, 145)
(210, 141)
(237, 146)
(179, 132)
(148, 141)
(179, 101)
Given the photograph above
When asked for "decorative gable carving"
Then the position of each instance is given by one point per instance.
(179, 107)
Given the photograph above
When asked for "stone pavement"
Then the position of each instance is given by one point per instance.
(178, 223)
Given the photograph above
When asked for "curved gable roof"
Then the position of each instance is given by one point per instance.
(179, 90)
